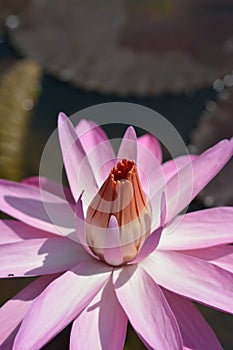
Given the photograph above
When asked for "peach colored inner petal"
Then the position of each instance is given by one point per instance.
(120, 196)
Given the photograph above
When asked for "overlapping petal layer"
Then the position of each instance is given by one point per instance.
(97, 147)
(172, 167)
(199, 229)
(102, 325)
(193, 278)
(25, 251)
(13, 231)
(192, 178)
(195, 331)
(60, 303)
(78, 169)
(37, 208)
(50, 186)
(14, 311)
(221, 256)
(157, 326)
(150, 144)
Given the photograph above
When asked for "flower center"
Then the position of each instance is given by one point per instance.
(121, 196)
(123, 170)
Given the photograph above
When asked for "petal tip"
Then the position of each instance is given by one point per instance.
(62, 117)
(130, 133)
(112, 222)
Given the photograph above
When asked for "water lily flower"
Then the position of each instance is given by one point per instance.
(114, 247)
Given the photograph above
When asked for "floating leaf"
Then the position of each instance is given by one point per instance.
(136, 47)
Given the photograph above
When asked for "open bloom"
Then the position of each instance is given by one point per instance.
(114, 247)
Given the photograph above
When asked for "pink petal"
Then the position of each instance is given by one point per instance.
(50, 186)
(90, 134)
(12, 231)
(147, 308)
(171, 167)
(150, 143)
(191, 179)
(221, 256)
(153, 184)
(191, 277)
(36, 207)
(80, 226)
(98, 148)
(60, 303)
(199, 229)
(195, 331)
(149, 246)
(113, 251)
(33, 257)
(78, 169)
(102, 325)
(13, 312)
(128, 146)
(150, 171)
(149, 157)
(163, 210)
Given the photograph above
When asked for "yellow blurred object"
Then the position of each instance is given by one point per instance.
(18, 95)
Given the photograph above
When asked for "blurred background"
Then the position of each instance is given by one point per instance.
(174, 56)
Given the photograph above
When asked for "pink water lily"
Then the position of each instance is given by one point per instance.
(99, 268)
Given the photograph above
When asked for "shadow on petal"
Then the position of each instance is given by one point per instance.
(39, 210)
(58, 256)
(121, 280)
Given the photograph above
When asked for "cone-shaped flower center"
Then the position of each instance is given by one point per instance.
(121, 197)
